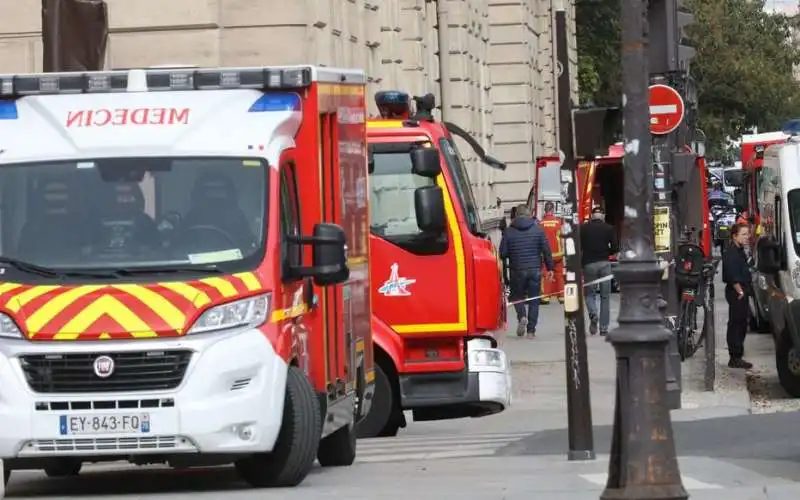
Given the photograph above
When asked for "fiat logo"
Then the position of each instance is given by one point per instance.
(103, 367)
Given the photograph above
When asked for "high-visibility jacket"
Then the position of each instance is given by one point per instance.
(551, 225)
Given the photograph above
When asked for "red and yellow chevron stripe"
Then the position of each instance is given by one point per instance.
(125, 311)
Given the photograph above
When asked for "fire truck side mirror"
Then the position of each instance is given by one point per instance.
(429, 207)
(328, 256)
(425, 162)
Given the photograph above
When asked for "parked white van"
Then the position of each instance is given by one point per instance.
(777, 255)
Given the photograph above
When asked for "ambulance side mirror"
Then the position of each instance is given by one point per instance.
(328, 256)
(429, 207)
(425, 162)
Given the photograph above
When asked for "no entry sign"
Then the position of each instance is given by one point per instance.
(666, 109)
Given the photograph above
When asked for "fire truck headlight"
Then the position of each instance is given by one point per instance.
(8, 328)
(252, 311)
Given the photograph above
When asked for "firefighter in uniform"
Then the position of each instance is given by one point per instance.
(551, 224)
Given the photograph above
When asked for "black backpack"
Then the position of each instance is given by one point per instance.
(689, 262)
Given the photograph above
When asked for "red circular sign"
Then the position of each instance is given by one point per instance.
(666, 109)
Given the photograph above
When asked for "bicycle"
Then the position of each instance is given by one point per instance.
(695, 277)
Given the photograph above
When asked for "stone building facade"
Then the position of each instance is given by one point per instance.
(501, 85)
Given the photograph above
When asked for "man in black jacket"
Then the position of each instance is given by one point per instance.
(598, 243)
(525, 246)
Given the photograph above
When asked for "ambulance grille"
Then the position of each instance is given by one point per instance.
(110, 445)
(131, 371)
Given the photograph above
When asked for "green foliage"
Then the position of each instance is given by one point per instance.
(598, 51)
(743, 67)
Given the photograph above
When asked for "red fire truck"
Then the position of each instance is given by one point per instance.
(600, 182)
(437, 294)
(165, 294)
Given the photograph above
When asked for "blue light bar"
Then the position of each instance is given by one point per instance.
(791, 127)
(276, 101)
(8, 110)
(391, 97)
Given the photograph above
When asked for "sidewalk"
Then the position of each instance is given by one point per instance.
(540, 373)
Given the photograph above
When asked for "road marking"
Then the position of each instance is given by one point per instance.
(436, 447)
(688, 482)
(665, 109)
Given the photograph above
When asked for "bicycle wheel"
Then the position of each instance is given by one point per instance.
(683, 330)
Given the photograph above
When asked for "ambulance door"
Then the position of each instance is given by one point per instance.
(293, 296)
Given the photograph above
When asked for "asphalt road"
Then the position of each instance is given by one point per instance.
(729, 458)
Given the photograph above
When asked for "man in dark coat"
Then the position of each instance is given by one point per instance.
(525, 246)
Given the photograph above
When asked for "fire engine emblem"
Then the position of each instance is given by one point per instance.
(103, 367)
(396, 286)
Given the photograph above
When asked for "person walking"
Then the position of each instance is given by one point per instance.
(598, 243)
(525, 246)
(738, 287)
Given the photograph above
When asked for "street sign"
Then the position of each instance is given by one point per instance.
(666, 109)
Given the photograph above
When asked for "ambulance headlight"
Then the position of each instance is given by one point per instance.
(9, 328)
(481, 356)
(252, 311)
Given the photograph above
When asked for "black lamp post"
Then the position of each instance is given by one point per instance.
(643, 463)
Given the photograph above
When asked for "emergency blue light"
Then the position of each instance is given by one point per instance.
(792, 127)
(8, 110)
(276, 101)
(393, 104)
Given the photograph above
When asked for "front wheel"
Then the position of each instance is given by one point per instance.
(686, 330)
(298, 440)
(381, 421)
(338, 449)
(6, 475)
(787, 361)
(64, 468)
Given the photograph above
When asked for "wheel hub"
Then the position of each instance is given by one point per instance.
(793, 360)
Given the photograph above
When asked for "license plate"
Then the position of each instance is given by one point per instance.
(723, 228)
(104, 424)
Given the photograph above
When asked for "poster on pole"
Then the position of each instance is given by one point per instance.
(661, 229)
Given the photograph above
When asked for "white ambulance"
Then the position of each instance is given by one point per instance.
(165, 297)
(776, 186)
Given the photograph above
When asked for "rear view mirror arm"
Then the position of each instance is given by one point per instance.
(488, 160)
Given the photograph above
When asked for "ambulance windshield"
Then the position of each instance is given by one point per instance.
(135, 214)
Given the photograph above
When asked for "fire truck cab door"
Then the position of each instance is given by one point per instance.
(418, 279)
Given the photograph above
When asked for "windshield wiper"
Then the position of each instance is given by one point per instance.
(135, 271)
(27, 267)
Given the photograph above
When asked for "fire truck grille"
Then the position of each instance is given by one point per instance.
(131, 371)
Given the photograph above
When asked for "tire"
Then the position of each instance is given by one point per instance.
(685, 331)
(6, 475)
(64, 467)
(381, 421)
(787, 361)
(298, 440)
(338, 449)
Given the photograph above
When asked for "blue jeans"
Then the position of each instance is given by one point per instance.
(526, 284)
(591, 272)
